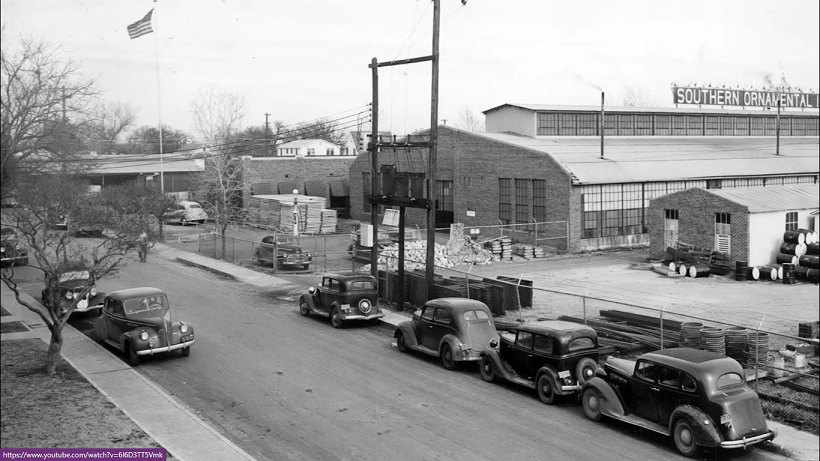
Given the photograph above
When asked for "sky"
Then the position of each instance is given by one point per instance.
(305, 60)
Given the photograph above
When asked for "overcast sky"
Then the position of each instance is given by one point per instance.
(306, 59)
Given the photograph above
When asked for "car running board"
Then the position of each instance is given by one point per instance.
(641, 422)
(112, 343)
(425, 350)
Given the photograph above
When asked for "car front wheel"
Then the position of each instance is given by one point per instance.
(335, 318)
(303, 307)
(591, 401)
(400, 342)
(684, 438)
(447, 360)
(546, 390)
(487, 369)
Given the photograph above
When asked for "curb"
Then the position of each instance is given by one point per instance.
(190, 263)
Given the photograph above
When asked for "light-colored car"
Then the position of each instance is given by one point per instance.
(187, 212)
(453, 329)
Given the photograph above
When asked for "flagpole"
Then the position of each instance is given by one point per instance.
(159, 106)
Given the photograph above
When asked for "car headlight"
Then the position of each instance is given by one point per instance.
(144, 335)
(183, 328)
(69, 295)
(93, 292)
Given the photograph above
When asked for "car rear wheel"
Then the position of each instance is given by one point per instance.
(335, 318)
(400, 342)
(186, 351)
(591, 401)
(303, 307)
(546, 389)
(684, 438)
(487, 369)
(133, 358)
(447, 360)
(585, 370)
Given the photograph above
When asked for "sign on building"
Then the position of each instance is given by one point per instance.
(743, 98)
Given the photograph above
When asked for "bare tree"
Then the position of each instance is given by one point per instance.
(145, 140)
(470, 122)
(43, 200)
(106, 123)
(142, 207)
(635, 96)
(40, 95)
(320, 129)
(218, 116)
(221, 188)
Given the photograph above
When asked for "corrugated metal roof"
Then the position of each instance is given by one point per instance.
(670, 158)
(652, 110)
(766, 199)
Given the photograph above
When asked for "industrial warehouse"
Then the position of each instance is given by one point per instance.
(548, 168)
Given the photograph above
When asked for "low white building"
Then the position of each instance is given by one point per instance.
(308, 148)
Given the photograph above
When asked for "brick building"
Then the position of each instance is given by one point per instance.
(746, 223)
(547, 164)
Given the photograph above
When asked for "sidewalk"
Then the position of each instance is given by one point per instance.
(183, 433)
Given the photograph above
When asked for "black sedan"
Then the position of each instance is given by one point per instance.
(552, 356)
(75, 288)
(342, 297)
(697, 397)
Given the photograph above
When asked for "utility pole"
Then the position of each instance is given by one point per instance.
(431, 159)
(267, 138)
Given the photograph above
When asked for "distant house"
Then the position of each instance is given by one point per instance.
(308, 148)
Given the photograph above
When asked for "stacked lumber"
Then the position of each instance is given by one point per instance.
(329, 220)
(501, 248)
(277, 211)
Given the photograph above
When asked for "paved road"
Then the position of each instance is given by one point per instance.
(282, 386)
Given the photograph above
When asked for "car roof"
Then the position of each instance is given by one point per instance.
(556, 327)
(349, 276)
(694, 361)
(187, 202)
(129, 293)
(458, 304)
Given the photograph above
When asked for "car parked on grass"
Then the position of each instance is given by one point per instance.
(78, 229)
(11, 251)
(186, 212)
(554, 357)
(454, 329)
(79, 286)
(699, 398)
(286, 255)
(342, 297)
(138, 322)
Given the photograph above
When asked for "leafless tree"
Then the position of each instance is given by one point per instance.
(145, 140)
(635, 96)
(106, 123)
(221, 187)
(41, 93)
(218, 116)
(143, 207)
(320, 129)
(44, 199)
(470, 122)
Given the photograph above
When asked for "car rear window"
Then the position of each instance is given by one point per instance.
(729, 380)
(361, 285)
(471, 316)
(194, 205)
(579, 344)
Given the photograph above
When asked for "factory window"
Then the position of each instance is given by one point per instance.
(567, 124)
(547, 125)
(791, 220)
(539, 200)
(714, 184)
(610, 124)
(694, 125)
(522, 201)
(663, 125)
(758, 126)
(727, 126)
(626, 124)
(723, 223)
(505, 200)
(712, 125)
(771, 126)
(366, 192)
(741, 126)
(643, 124)
(444, 195)
(679, 125)
(588, 124)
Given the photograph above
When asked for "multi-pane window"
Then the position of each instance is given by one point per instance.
(712, 125)
(366, 192)
(539, 200)
(694, 125)
(588, 124)
(791, 220)
(444, 195)
(547, 124)
(505, 200)
(626, 123)
(663, 125)
(727, 126)
(723, 223)
(566, 124)
(679, 125)
(522, 202)
(643, 124)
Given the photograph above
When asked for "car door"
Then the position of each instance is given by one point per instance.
(521, 356)
(424, 326)
(676, 388)
(646, 392)
(114, 318)
(441, 325)
(330, 292)
(542, 354)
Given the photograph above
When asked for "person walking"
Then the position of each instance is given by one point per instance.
(142, 248)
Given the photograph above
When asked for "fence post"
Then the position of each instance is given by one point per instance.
(468, 279)
(757, 360)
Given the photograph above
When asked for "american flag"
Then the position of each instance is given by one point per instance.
(141, 27)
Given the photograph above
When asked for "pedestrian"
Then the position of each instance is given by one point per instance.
(142, 248)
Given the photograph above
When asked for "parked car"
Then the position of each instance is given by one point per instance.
(552, 356)
(138, 322)
(342, 297)
(287, 256)
(11, 251)
(186, 212)
(76, 285)
(453, 329)
(77, 228)
(699, 398)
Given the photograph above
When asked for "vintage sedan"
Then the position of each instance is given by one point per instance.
(11, 251)
(186, 212)
(76, 286)
(697, 397)
(342, 297)
(286, 255)
(137, 321)
(454, 329)
(552, 356)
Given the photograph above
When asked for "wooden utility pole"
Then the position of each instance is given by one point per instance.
(267, 136)
(373, 147)
(430, 270)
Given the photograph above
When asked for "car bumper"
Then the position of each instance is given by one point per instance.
(89, 308)
(159, 350)
(748, 441)
(15, 259)
(377, 315)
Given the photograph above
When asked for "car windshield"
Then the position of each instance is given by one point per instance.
(729, 380)
(193, 206)
(361, 285)
(74, 275)
(147, 306)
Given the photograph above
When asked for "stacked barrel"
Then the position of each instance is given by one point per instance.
(798, 259)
